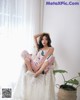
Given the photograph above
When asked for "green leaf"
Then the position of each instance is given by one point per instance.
(73, 81)
(59, 71)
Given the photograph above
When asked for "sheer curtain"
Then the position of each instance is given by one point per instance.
(19, 21)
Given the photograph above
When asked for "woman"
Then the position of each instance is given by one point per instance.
(38, 79)
(41, 61)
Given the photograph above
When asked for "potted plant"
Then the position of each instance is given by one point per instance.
(68, 90)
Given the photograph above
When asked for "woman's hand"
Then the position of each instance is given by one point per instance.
(37, 35)
(38, 73)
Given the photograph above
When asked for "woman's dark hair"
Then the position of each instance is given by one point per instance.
(40, 40)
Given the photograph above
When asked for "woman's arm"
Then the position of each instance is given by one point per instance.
(35, 39)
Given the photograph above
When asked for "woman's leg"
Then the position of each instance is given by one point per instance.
(34, 66)
(45, 64)
(27, 59)
(28, 64)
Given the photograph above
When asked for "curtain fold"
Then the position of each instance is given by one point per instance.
(19, 21)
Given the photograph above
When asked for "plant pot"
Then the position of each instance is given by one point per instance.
(64, 94)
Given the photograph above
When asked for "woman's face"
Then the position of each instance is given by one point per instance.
(44, 41)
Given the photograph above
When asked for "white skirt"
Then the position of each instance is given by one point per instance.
(31, 88)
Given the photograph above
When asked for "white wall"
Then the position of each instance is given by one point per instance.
(63, 23)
